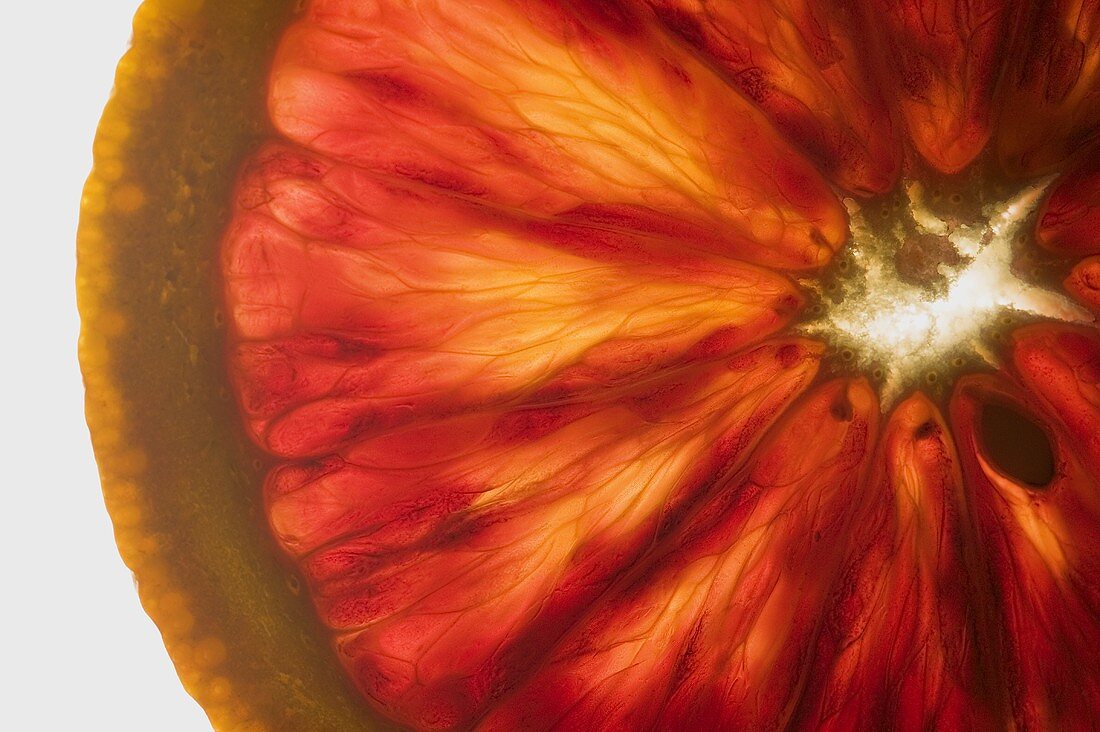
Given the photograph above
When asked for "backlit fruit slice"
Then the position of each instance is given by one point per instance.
(902, 642)
(1070, 217)
(1050, 93)
(1084, 283)
(440, 363)
(939, 61)
(711, 631)
(579, 111)
(797, 61)
(449, 557)
(350, 316)
(1041, 541)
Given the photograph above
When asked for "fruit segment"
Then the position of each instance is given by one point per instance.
(1061, 367)
(580, 110)
(1042, 548)
(711, 631)
(798, 61)
(1070, 217)
(449, 556)
(900, 644)
(504, 301)
(1083, 283)
(1049, 98)
(940, 61)
(355, 311)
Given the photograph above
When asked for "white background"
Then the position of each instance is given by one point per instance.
(77, 652)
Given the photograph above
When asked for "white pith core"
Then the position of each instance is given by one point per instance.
(906, 330)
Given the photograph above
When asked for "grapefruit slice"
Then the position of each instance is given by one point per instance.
(449, 365)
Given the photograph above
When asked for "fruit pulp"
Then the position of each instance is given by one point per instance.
(548, 454)
(669, 270)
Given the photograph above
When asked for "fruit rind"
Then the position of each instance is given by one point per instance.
(179, 480)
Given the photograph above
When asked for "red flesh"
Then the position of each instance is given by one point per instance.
(506, 298)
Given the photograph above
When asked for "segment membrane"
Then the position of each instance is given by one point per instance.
(358, 305)
(576, 107)
(448, 556)
(711, 631)
(1042, 549)
(798, 61)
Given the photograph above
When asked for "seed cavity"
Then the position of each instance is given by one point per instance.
(1016, 446)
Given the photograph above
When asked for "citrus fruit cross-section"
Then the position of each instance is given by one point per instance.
(606, 364)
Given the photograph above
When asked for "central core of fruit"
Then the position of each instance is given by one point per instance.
(925, 280)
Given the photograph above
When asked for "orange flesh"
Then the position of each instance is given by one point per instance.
(899, 641)
(1041, 551)
(574, 118)
(703, 634)
(508, 288)
(939, 62)
(508, 326)
(797, 61)
(1050, 102)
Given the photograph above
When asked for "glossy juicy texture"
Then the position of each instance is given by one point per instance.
(507, 297)
(710, 632)
(576, 112)
(939, 61)
(494, 306)
(901, 640)
(1043, 550)
(456, 569)
(797, 61)
(1050, 94)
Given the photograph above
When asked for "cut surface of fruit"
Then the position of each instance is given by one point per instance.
(495, 307)
(1050, 86)
(533, 474)
(901, 639)
(939, 62)
(797, 61)
(577, 111)
(1043, 548)
(609, 364)
(710, 631)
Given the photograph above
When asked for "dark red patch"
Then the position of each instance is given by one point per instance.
(441, 179)
(753, 83)
(682, 24)
(527, 424)
(611, 15)
(928, 430)
(717, 344)
(389, 88)
(789, 355)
